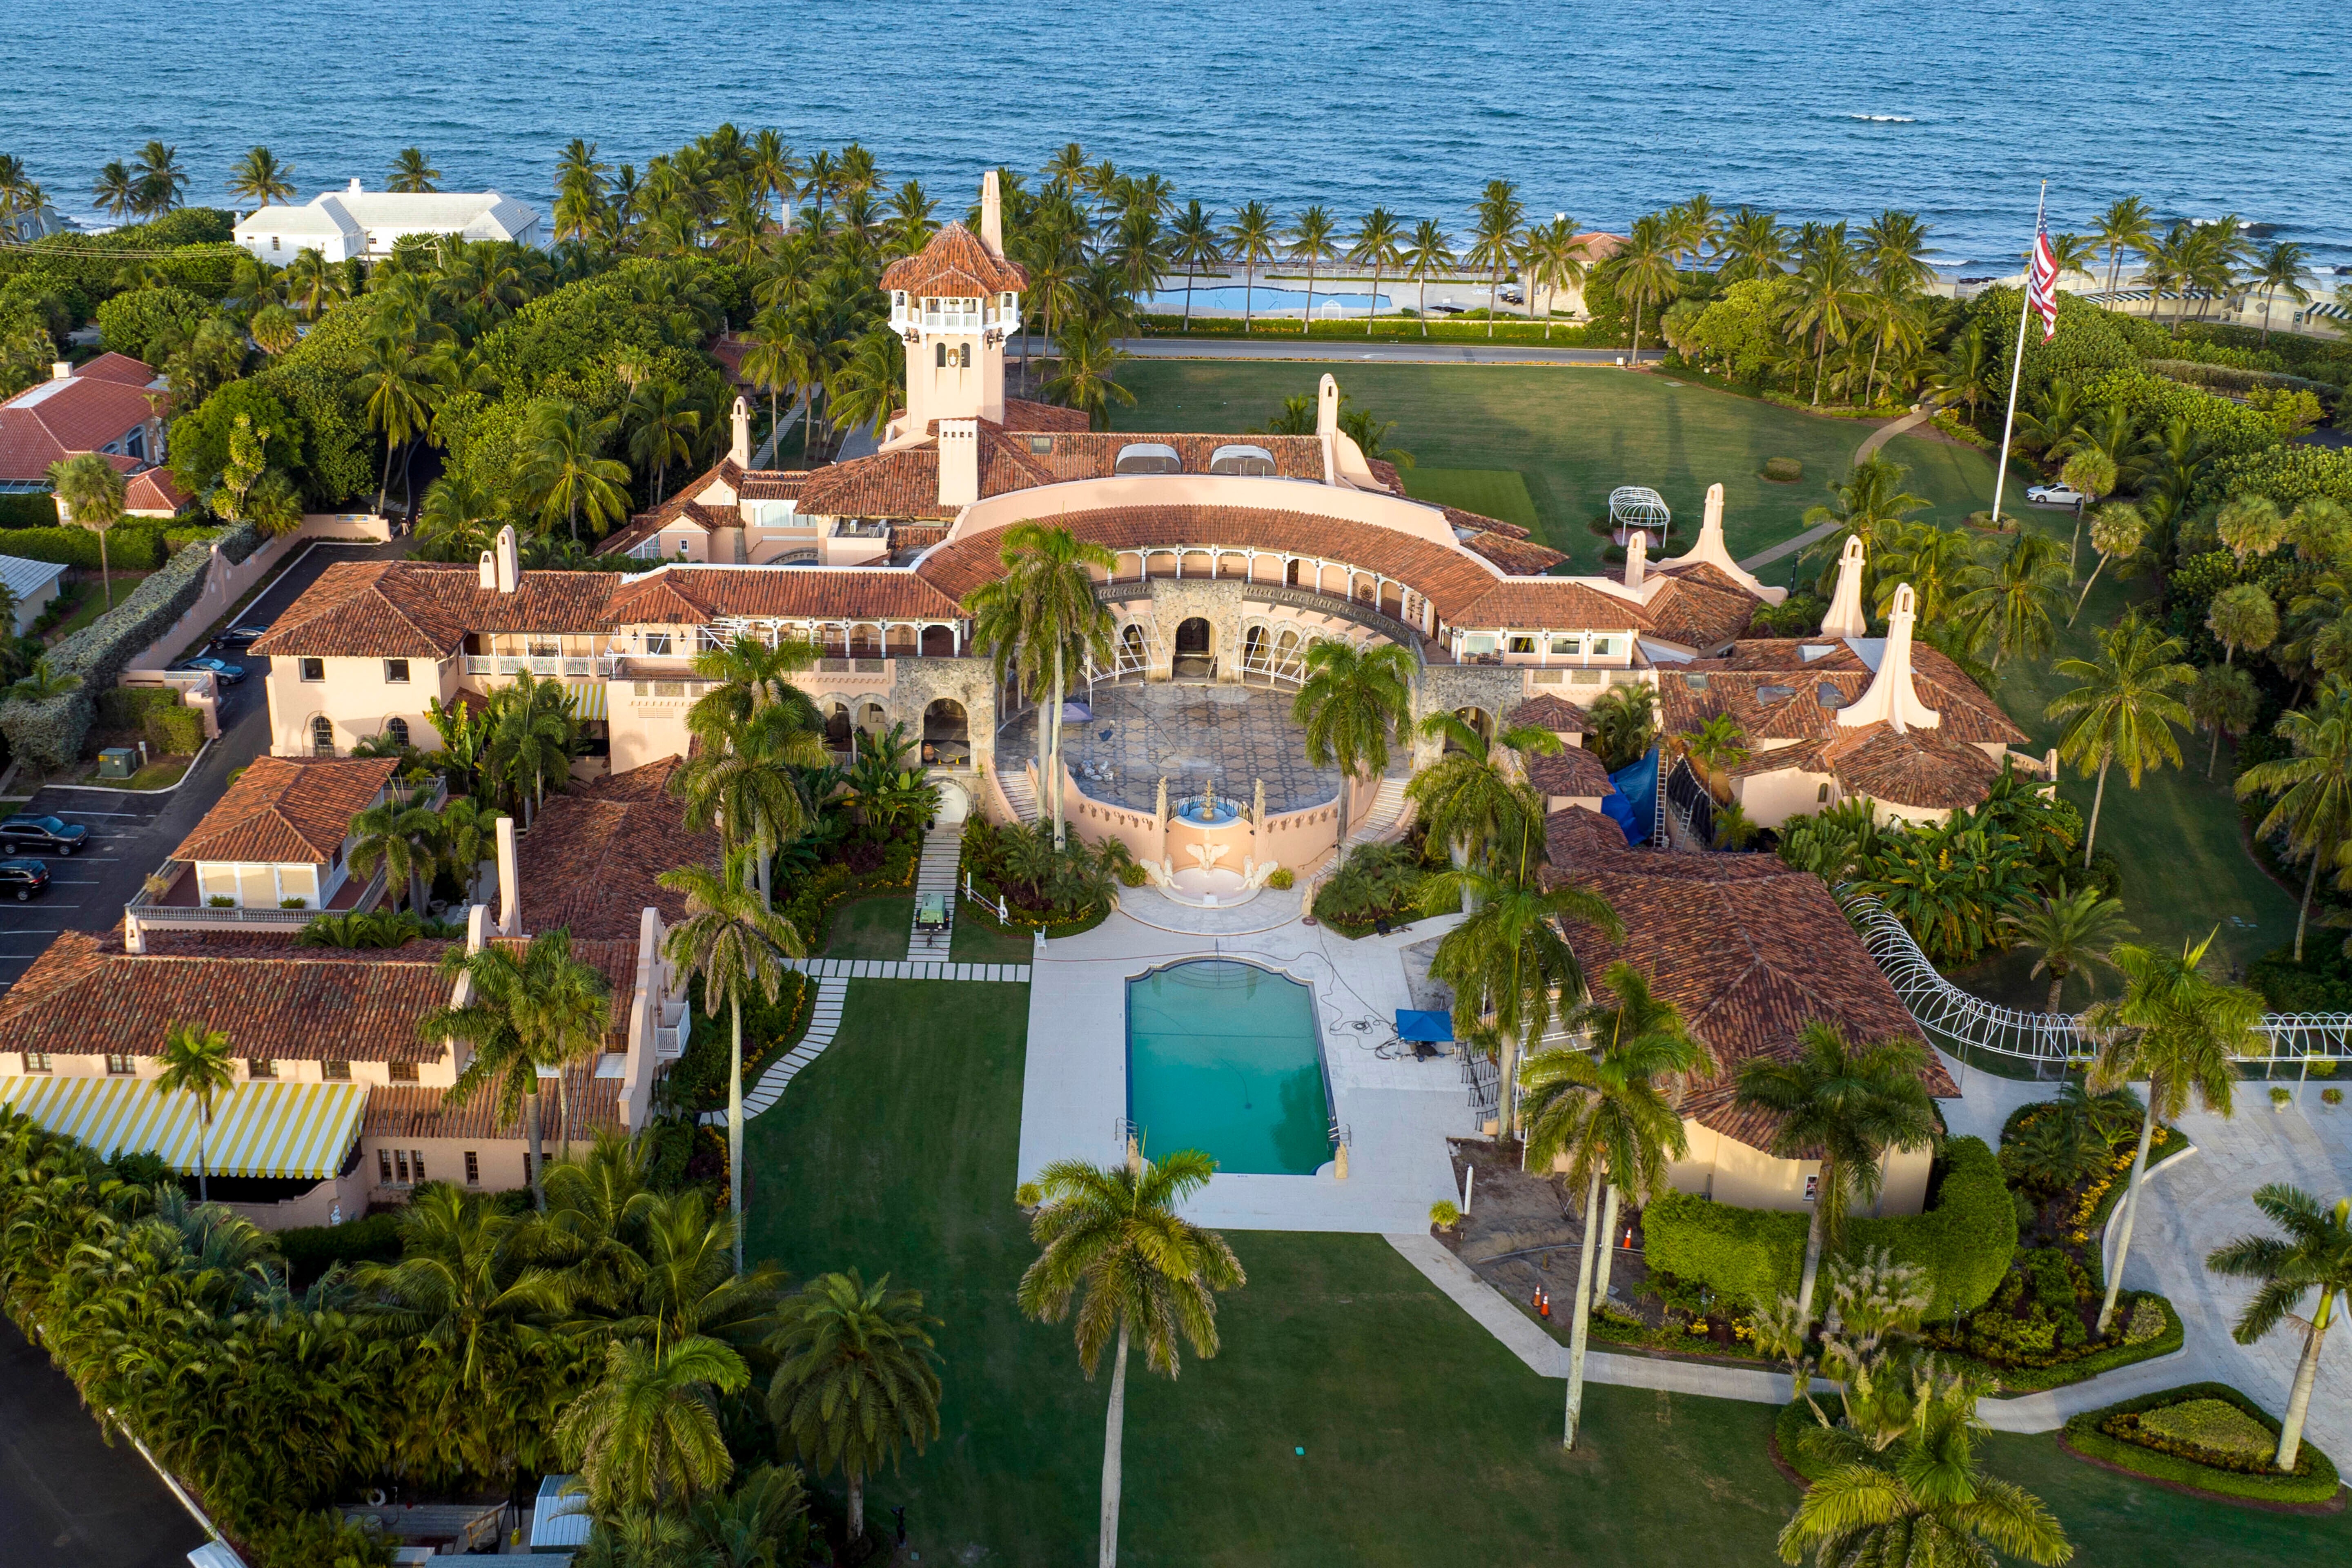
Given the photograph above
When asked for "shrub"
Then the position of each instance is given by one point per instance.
(132, 547)
(140, 321)
(2331, 1096)
(2175, 1448)
(157, 712)
(1755, 1255)
(1282, 879)
(1028, 1194)
(200, 437)
(310, 1250)
(1444, 1214)
(2281, 1095)
(2233, 379)
(1133, 874)
(38, 509)
(1783, 470)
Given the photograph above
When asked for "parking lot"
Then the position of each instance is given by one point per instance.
(131, 834)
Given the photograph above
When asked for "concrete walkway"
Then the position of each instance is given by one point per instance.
(894, 969)
(1862, 454)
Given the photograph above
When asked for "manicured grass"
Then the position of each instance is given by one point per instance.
(872, 928)
(1573, 435)
(1498, 493)
(973, 943)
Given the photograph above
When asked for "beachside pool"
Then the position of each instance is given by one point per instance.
(1221, 1057)
(1265, 297)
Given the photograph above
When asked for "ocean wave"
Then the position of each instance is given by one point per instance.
(1887, 119)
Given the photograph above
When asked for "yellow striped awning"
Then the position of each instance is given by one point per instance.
(290, 1130)
(587, 700)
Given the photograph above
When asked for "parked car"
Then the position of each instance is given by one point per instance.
(46, 835)
(1512, 295)
(2061, 494)
(239, 637)
(228, 674)
(24, 878)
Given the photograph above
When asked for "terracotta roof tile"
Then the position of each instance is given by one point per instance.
(153, 490)
(84, 995)
(413, 609)
(788, 593)
(1023, 416)
(953, 265)
(904, 483)
(54, 419)
(772, 484)
(1925, 768)
(119, 367)
(1570, 771)
(1520, 557)
(589, 863)
(1457, 516)
(1557, 714)
(287, 810)
(400, 1111)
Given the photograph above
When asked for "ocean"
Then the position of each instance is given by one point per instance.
(1602, 111)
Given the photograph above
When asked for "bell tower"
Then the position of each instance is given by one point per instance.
(954, 305)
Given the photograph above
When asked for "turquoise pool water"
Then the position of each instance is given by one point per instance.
(1221, 1058)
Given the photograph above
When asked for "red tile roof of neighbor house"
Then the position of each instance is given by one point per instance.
(288, 810)
(954, 265)
(1570, 771)
(1750, 664)
(1745, 947)
(118, 367)
(591, 861)
(1557, 714)
(1447, 578)
(399, 1111)
(84, 995)
(54, 419)
(152, 490)
(415, 609)
(691, 595)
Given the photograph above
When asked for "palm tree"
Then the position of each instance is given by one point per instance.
(1038, 623)
(1551, 258)
(463, 1279)
(1110, 1240)
(2280, 266)
(533, 735)
(740, 779)
(2068, 931)
(115, 190)
(261, 179)
(857, 1378)
(195, 1063)
(2117, 534)
(1250, 240)
(2180, 1030)
(404, 838)
(2223, 700)
(1465, 798)
(2315, 1255)
(1643, 270)
(1193, 244)
(1429, 250)
(413, 172)
(2012, 601)
(2092, 472)
(736, 943)
(2126, 225)
(2314, 808)
(565, 470)
(400, 384)
(1754, 245)
(1377, 244)
(93, 493)
(1849, 1106)
(498, 1016)
(1869, 504)
(2242, 617)
(1922, 1499)
(158, 179)
(1086, 376)
(1602, 1109)
(662, 427)
(1312, 237)
(646, 1435)
(46, 682)
(1824, 297)
(2124, 710)
(1352, 703)
(469, 838)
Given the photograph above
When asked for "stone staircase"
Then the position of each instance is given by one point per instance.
(1019, 793)
(1387, 814)
(935, 873)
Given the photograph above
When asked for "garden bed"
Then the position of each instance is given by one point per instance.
(2120, 1437)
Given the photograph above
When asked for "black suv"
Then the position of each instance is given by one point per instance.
(43, 835)
(240, 638)
(24, 878)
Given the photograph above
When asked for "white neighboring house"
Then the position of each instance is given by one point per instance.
(33, 584)
(348, 222)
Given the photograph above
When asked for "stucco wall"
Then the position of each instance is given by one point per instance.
(356, 701)
(336, 1200)
(1731, 1172)
(1377, 508)
(1770, 799)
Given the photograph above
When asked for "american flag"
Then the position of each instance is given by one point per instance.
(2042, 286)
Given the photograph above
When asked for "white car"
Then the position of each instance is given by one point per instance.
(2056, 495)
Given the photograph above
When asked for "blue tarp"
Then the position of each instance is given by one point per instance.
(1634, 806)
(1433, 1028)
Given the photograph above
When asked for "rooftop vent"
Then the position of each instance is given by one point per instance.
(1767, 695)
(1694, 682)
(1254, 462)
(1811, 651)
(1148, 457)
(1830, 695)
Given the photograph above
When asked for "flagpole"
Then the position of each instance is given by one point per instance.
(2024, 303)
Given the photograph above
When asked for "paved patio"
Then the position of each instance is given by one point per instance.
(1194, 735)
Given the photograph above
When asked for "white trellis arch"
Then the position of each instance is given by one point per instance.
(1638, 506)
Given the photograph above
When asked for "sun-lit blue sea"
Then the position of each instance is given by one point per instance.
(1817, 109)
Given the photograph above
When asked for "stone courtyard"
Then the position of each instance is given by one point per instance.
(1195, 735)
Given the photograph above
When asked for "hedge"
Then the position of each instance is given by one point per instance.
(2015, 1380)
(133, 322)
(133, 547)
(158, 712)
(310, 1250)
(2233, 379)
(1756, 1256)
(190, 246)
(2314, 1479)
(51, 734)
(1390, 328)
(37, 509)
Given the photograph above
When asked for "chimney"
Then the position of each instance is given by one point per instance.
(1327, 426)
(509, 882)
(959, 462)
(741, 451)
(1845, 618)
(1637, 557)
(477, 927)
(992, 215)
(356, 185)
(59, 370)
(1710, 528)
(1891, 698)
(509, 561)
(489, 575)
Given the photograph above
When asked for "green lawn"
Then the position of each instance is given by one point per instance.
(872, 928)
(1423, 1440)
(1500, 493)
(1573, 435)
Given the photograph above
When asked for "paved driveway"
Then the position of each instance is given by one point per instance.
(131, 834)
(67, 1499)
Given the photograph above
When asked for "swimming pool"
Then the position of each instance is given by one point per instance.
(1264, 296)
(1222, 1056)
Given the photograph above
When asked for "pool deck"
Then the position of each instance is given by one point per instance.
(1398, 1112)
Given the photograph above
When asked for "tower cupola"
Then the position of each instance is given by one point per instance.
(955, 303)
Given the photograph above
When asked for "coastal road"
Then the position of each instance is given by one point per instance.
(1275, 345)
(131, 834)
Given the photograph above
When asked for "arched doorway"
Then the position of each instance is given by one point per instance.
(947, 734)
(1253, 659)
(1480, 724)
(954, 805)
(836, 728)
(1134, 658)
(1193, 642)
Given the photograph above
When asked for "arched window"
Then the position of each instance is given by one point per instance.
(939, 356)
(323, 736)
(1132, 639)
(397, 729)
(1241, 459)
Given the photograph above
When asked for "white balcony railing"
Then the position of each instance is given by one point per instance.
(565, 666)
